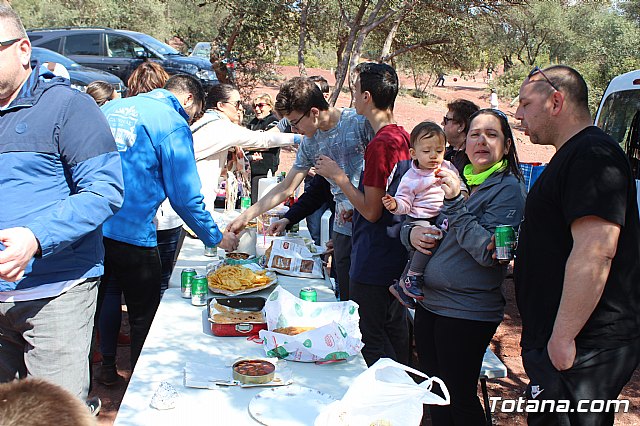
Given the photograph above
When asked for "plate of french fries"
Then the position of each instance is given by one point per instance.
(232, 280)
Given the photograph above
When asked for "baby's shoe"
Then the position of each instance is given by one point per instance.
(397, 292)
(413, 286)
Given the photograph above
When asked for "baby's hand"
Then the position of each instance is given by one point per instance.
(389, 202)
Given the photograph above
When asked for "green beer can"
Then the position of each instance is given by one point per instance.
(245, 203)
(199, 290)
(309, 294)
(185, 282)
(505, 242)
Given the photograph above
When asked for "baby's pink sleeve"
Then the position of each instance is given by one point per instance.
(405, 194)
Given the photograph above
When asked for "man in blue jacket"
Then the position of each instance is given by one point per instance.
(61, 179)
(156, 146)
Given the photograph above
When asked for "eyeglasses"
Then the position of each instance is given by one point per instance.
(537, 70)
(237, 104)
(446, 120)
(260, 105)
(294, 123)
(9, 42)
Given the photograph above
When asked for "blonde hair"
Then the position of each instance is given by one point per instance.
(38, 402)
(264, 97)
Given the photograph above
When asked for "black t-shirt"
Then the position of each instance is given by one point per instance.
(271, 157)
(588, 176)
(458, 158)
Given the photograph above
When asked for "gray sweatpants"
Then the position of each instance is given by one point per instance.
(50, 338)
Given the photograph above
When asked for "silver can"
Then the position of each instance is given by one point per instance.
(211, 251)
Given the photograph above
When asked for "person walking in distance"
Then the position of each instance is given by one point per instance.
(577, 264)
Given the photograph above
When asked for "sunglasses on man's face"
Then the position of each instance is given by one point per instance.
(9, 42)
(537, 70)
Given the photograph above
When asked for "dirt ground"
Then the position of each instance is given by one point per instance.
(410, 111)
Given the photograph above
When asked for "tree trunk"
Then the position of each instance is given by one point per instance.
(386, 48)
(388, 42)
(357, 35)
(276, 51)
(355, 60)
(343, 65)
(304, 11)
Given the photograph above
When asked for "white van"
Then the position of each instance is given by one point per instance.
(619, 116)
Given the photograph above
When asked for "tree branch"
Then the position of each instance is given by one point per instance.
(422, 44)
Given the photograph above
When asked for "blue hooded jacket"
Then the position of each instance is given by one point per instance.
(61, 178)
(156, 147)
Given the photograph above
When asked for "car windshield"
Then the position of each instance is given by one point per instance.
(617, 114)
(45, 55)
(157, 45)
(202, 49)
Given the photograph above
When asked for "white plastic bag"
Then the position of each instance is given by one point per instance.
(384, 394)
(288, 258)
(335, 334)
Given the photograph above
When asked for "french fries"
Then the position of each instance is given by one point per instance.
(236, 278)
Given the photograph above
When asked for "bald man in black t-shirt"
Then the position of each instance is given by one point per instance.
(577, 270)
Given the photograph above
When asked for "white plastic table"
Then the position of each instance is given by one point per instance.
(181, 333)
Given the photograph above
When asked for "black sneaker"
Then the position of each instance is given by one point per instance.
(107, 375)
(396, 290)
(94, 405)
(413, 286)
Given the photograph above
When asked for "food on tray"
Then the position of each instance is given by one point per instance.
(235, 278)
(254, 367)
(226, 315)
(237, 256)
(292, 331)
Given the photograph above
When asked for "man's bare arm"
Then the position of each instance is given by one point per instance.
(275, 196)
(368, 203)
(594, 246)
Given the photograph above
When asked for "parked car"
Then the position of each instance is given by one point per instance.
(79, 75)
(619, 116)
(202, 49)
(119, 51)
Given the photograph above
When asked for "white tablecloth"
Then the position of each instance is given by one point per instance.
(181, 333)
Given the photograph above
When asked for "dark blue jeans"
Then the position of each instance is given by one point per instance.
(136, 271)
(109, 318)
(314, 221)
(169, 245)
